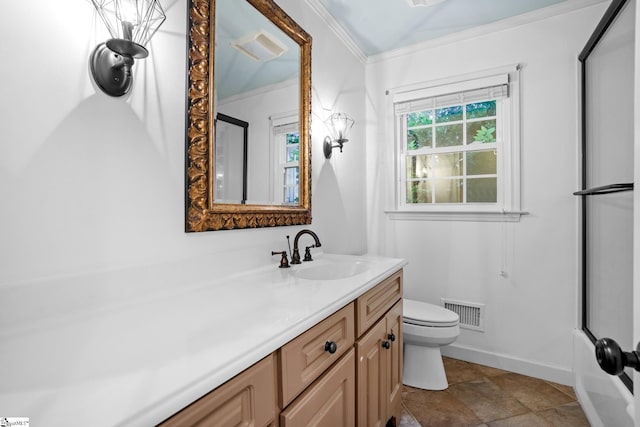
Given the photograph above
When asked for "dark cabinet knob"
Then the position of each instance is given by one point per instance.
(386, 344)
(612, 359)
(331, 347)
(391, 337)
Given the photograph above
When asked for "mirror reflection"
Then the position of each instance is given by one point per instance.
(230, 159)
(253, 65)
(257, 82)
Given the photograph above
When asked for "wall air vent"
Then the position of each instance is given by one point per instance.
(471, 313)
(416, 3)
(261, 46)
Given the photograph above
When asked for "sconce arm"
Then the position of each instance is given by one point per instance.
(329, 145)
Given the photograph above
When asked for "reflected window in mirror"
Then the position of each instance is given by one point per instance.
(285, 145)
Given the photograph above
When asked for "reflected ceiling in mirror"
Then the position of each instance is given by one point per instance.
(251, 51)
(225, 77)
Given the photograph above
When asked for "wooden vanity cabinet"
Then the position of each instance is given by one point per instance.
(379, 355)
(248, 399)
(344, 371)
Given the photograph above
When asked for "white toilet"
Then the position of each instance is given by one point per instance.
(426, 327)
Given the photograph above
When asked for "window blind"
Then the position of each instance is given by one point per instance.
(284, 129)
(493, 87)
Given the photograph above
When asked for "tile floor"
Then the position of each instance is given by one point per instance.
(487, 397)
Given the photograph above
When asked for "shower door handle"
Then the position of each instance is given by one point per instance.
(613, 360)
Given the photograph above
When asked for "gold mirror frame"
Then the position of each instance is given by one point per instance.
(201, 213)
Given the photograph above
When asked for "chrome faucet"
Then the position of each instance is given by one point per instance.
(295, 258)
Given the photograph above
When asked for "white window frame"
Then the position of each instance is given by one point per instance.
(507, 208)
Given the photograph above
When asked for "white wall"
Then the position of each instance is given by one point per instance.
(530, 312)
(91, 183)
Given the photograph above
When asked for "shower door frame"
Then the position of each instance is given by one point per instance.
(609, 17)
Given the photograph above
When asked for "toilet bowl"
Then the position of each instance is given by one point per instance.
(426, 327)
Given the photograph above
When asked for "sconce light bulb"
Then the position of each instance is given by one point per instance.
(127, 30)
(339, 125)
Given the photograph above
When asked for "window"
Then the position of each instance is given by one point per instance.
(457, 148)
(286, 149)
(291, 168)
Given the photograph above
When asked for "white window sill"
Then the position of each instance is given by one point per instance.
(478, 216)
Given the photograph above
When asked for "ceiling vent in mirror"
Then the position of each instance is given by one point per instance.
(416, 3)
(261, 46)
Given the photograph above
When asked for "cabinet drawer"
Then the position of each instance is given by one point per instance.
(247, 399)
(328, 402)
(376, 302)
(304, 359)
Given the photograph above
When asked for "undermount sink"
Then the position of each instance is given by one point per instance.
(331, 270)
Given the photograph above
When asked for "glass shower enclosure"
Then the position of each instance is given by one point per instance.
(607, 67)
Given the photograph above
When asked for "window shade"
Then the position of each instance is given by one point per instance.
(494, 87)
(284, 129)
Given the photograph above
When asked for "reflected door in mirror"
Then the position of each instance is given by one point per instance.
(231, 160)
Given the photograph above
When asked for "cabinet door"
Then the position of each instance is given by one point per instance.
(394, 356)
(330, 401)
(379, 371)
(371, 374)
(247, 399)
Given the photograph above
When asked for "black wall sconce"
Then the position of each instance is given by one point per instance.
(131, 24)
(339, 125)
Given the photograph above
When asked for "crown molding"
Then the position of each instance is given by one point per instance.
(338, 30)
(503, 24)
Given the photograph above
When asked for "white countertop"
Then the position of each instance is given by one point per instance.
(136, 361)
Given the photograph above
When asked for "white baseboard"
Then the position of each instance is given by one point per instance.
(506, 362)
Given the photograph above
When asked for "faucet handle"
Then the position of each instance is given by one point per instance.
(307, 253)
(295, 258)
(284, 261)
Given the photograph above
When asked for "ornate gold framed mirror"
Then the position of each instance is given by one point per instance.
(248, 59)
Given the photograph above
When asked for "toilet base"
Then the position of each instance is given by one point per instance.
(423, 368)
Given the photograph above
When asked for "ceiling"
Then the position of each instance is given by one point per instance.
(373, 26)
(378, 26)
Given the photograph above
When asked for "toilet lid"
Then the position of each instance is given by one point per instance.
(425, 314)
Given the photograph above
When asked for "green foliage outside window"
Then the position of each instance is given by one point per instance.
(476, 110)
(420, 137)
(420, 118)
(449, 114)
(293, 138)
(485, 135)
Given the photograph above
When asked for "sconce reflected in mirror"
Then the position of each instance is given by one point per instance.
(131, 24)
(339, 125)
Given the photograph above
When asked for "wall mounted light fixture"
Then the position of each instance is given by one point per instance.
(339, 125)
(131, 24)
